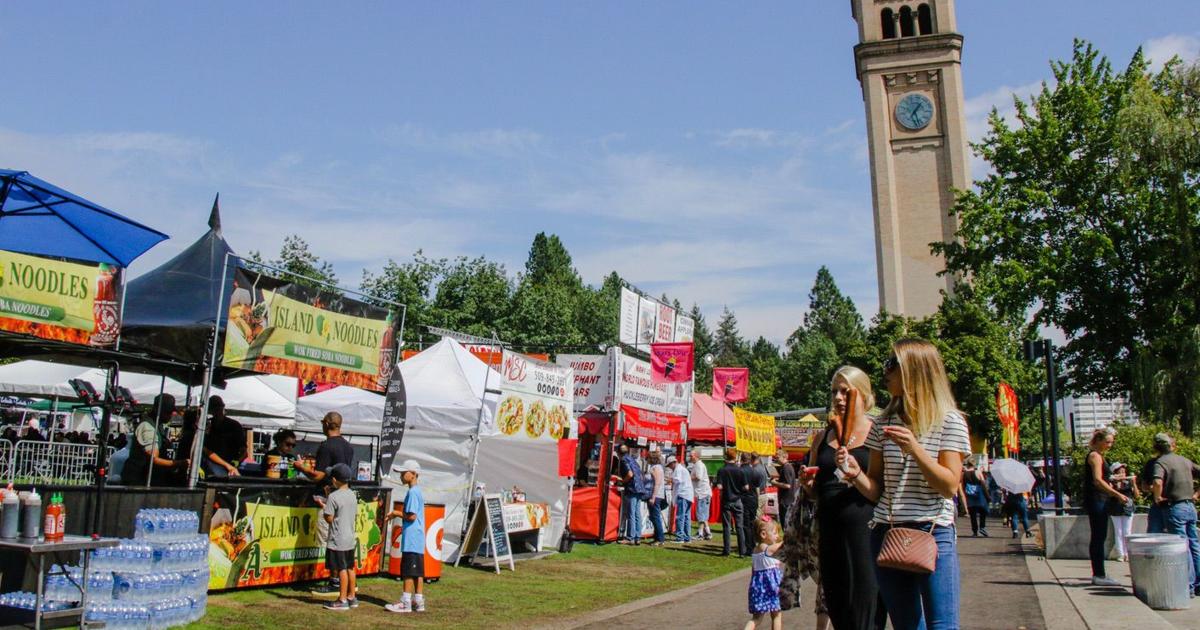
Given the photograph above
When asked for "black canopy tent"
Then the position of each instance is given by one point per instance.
(169, 310)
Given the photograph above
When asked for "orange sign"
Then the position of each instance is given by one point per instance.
(1010, 419)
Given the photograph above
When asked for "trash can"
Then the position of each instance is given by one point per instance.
(1159, 564)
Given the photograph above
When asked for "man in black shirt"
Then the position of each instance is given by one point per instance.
(334, 450)
(731, 482)
(756, 481)
(225, 444)
(784, 482)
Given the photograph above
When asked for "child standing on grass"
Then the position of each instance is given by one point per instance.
(339, 511)
(766, 576)
(412, 542)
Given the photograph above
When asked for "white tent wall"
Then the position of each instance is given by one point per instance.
(533, 466)
(445, 470)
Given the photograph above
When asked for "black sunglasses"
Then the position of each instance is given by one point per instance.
(891, 364)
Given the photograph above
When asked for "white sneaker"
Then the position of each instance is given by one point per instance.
(1104, 581)
(1120, 558)
(418, 606)
(399, 607)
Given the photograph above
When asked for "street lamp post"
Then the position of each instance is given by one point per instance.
(1034, 350)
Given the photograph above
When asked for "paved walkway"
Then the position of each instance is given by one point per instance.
(998, 593)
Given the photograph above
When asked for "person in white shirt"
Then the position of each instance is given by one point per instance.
(703, 489)
(682, 496)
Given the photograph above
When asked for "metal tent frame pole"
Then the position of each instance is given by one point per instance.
(470, 492)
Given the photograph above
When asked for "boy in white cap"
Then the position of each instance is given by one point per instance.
(412, 541)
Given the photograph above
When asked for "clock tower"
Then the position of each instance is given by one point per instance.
(909, 65)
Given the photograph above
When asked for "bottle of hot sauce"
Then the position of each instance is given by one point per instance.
(105, 309)
(56, 519)
(387, 354)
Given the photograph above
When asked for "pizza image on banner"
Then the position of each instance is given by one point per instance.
(283, 328)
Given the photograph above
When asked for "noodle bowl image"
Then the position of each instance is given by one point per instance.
(510, 415)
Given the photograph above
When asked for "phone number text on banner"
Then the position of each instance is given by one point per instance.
(755, 432)
(282, 328)
(536, 398)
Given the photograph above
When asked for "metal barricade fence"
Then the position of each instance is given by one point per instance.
(6, 461)
(53, 463)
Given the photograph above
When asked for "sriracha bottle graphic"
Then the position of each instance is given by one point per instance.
(387, 354)
(105, 310)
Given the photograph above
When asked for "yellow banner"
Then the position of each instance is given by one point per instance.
(755, 432)
(58, 300)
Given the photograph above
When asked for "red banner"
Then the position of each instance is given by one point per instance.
(652, 425)
(671, 362)
(731, 384)
(566, 457)
(1010, 419)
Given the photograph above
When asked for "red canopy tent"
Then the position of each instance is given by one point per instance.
(710, 418)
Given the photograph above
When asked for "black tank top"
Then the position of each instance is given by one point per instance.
(1090, 491)
(827, 485)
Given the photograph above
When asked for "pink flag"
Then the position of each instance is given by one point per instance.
(671, 362)
(731, 384)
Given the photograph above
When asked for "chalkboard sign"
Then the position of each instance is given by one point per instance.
(497, 530)
(395, 412)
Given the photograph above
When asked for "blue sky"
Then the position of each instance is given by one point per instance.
(715, 151)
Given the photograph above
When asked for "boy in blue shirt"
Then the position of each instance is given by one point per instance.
(412, 542)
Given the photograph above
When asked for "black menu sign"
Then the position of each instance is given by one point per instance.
(496, 528)
(395, 412)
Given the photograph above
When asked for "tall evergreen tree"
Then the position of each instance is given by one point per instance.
(703, 340)
(729, 349)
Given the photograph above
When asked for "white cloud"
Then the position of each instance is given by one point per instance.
(473, 143)
(1160, 50)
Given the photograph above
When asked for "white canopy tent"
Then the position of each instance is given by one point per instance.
(445, 389)
(258, 401)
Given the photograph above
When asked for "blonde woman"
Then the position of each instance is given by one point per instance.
(917, 449)
(847, 566)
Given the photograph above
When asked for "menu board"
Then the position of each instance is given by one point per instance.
(497, 529)
(395, 412)
(645, 320)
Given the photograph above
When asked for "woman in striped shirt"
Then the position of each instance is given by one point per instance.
(917, 450)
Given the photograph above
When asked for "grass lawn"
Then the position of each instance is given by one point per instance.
(592, 577)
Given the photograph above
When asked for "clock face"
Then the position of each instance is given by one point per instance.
(914, 111)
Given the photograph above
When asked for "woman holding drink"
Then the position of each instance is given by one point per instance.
(916, 453)
(843, 513)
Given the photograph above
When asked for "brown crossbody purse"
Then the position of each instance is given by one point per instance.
(905, 548)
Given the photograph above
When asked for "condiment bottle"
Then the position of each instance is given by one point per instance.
(31, 525)
(55, 519)
(10, 518)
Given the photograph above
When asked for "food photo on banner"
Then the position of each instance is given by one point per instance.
(536, 398)
(281, 327)
(671, 362)
(731, 384)
(1010, 418)
(59, 300)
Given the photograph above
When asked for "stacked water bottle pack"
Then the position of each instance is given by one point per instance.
(157, 580)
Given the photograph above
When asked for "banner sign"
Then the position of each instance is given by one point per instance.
(731, 384)
(671, 362)
(395, 412)
(593, 380)
(284, 328)
(755, 432)
(61, 301)
(797, 433)
(263, 536)
(652, 425)
(636, 388)
(685, 328)
(645, 320)
(535, 398)
(1010, 419)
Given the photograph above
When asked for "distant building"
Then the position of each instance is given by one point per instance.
(1092, 412)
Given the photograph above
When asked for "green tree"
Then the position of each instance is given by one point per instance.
(410, 283)
(297, 259)
(831, 335)
(472, 296)
(547, 308)
(834, 315)
(729, 349)
(1087, 221)
(766, 369)
(703, 340)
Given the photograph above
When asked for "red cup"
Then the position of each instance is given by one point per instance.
(811, 471)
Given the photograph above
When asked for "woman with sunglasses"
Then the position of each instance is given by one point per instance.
(916, 454)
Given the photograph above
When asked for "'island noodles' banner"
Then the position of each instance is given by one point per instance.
(261, 536)
(63, 301)
(537, 398)
(755, 432)
(279, 327)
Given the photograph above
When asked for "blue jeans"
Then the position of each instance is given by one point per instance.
(1181, 520)
(683, 519)
(633, 517)
(656, 518)
(1020, 509)
(920, 602)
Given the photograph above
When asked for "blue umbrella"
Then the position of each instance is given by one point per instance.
(37, 217)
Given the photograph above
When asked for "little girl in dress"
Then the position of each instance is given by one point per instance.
(767, 574)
